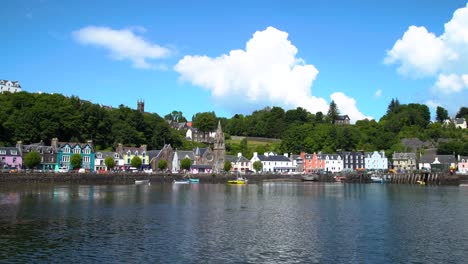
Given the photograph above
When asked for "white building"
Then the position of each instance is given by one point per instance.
(376, 161)
(100, 164)
(274, 163)
(9, 86)
(333, 163)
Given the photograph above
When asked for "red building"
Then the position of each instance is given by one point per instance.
(313, 162)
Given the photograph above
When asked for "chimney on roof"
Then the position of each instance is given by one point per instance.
(143, 147)
(286, 155)
(119, 148)
(255, 154)
(54, 142)
(266, 154)
(239, 154)
(19, 146)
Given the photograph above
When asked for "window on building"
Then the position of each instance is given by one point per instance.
(65, 158)
(14, 152)
(2, 152)
(87, 151)
(86, 159)
(77, 150)
(66, 150)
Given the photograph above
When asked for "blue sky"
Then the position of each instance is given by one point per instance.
(239, 56)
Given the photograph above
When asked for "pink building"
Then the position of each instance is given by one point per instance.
(10, 157)
(463, 164)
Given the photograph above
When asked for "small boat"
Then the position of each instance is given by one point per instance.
(421, 182)
(181, 181)
(194, 180)
(142, 182)
(238, 180)
(310, 177)
(377, 179)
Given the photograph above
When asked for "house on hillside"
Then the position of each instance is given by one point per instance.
(9, 86)
(404, 161)
(10, 158)
(272, 162)
(66, 149)
(376, 161)
(48, 154)
(342, 120)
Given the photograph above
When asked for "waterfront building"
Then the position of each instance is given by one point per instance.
(179, 155)
(48, 154)
(404, 161)
(239, 163)
(298, 163)
(9, 86)
(166, 153)
(313, 162)
(66, 149)
(274, 163)
(219, 149)
(100, 164)
(128, 153)
(333, 163)
(10, 158)
(463, 164)
(353, 160)
(376, 161)
(432, 162)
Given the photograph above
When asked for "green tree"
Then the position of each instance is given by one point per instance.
(162, 165)
(333, 112)
(175, 116)
(257, 166)
(463, 113)
(185, 164)
(441, 114)
(393, 106)
(75, 161)
(110, 162)
(136, 162)
(227, 166)
(319, 117)
(205, 122)
(32, 159)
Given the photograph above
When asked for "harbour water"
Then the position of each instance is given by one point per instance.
(217, 223)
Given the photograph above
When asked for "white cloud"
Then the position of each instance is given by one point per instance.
(123, 44)
(451, 83)
(378, 93)
(423, 54)
(267, 72)
(347, 105)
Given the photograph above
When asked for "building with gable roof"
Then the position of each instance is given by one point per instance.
(404, 161)
(272, 162)
(333, 163)
(463, 164)
(9, 86)
(10, 157)
(352, 160)
(128, 153)
(313, 162)
(66, 149)
(179, 155)
(376, 161)
(239, 163)
(166, 153)
(48, 154)
(100, 164)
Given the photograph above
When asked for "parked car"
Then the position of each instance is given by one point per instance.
(63, 169)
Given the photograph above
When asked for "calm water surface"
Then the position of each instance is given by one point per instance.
(215, 223)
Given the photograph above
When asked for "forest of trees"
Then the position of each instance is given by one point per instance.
(34, 117)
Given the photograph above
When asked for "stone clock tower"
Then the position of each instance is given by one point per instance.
(219, 150)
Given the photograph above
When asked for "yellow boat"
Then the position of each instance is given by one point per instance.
(421, 182)
(237, 181)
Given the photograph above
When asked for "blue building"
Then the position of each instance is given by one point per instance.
(66, 149)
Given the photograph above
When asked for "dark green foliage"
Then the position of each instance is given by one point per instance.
(136, 162)
(75, 161)
(205, 122)
(227, 166)
(463, 113)
(257, 166)
(185, 164)
(333, 112)
(110, 162)
(441, 114)
(162, 164)
(32, 159)
(34, 117)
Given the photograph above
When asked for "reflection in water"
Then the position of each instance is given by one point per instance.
(270, 222)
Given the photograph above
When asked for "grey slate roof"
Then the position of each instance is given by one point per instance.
(8, 151)
(404, 156)
(273, 158)
(153, 153)
(181, 154)
(446, 159)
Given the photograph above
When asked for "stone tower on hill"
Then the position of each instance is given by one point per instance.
(141, 106)
(219, 150)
